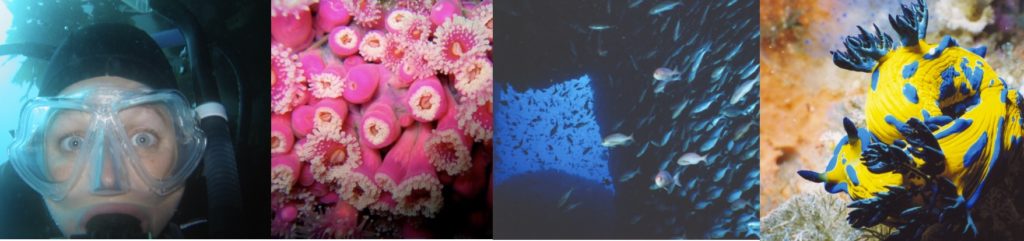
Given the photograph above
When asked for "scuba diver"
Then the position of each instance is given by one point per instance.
(112, 148)
(108, 145)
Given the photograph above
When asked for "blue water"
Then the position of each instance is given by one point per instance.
(12, 92)
(551, 172)
(13, 95)
(551, 129)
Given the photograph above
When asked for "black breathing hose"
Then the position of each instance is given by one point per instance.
(224, 194)
(222, 187)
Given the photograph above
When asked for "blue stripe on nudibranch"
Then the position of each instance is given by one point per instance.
(909, 70)
(973, 76)
(836, 188)
(980, 50)
(974, 152)
(910, 92)
(865, 138)
(874, 78)
(947, 41)
(998, 146)
(959, 125)
(835, 154)
(1002, 96)
(850, 172)
(893, 121)
(947, 89)
(963, 88)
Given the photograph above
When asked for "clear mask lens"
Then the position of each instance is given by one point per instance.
(108, 138)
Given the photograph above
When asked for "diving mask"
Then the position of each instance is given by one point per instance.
(105, 136)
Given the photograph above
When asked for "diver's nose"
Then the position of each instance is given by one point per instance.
(108, 172)
(107, 179)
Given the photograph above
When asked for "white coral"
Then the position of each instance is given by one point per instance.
(809, 216)
(958, 15)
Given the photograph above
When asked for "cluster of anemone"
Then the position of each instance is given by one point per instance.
(381, 115)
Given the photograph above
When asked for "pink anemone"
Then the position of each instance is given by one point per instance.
(328, 149)
(281, 137)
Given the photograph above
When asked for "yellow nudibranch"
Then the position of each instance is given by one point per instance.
(969, 110)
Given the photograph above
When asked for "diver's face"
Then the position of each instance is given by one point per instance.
(149, 132)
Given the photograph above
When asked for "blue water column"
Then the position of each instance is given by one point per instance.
(550, 129)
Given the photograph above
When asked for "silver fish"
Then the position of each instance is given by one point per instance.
(733, 111)
(702, 106)
(660, 88)
(749, 154)
(599, 27)
(565, 197)
(720, 174)
(617, 139)
(664, 140)
(662, 7)
(664, 180)
(692, 183)
(748, 184)
(742, 130)
(629, 175)
(642, 150)
(702, 205)
(712, 141)
(572, 206)
(734, 51)
(635, 3)
(679, 109)
(735, 195)
(664, 164)
(717, 74)
(676, 36)
(697, 59)
(751, 68)
(691, 158)
(742, 90)
(718, 232)
(754, 229)
(714, 193)
(666, 74)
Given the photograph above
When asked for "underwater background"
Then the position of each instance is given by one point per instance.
(588, 75)
(13, 91)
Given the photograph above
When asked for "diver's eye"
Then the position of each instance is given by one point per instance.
(71, 143)
(143, 139)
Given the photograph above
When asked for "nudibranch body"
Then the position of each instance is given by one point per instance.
(970, 111)
(938, 121)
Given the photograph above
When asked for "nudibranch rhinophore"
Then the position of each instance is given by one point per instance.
(938, 122)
